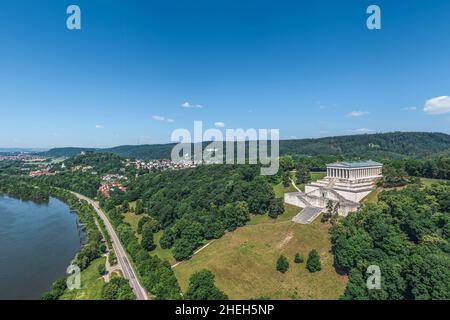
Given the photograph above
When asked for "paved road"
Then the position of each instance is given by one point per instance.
(122, 258)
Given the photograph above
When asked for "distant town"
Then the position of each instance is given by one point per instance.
(38, 166)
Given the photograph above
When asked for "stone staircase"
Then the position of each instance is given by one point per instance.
(307, 215)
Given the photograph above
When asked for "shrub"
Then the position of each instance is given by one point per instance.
(282, 264)
(313, 264)
(101, 269)
(298, 258)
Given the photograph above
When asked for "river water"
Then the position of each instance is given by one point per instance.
(37, 243)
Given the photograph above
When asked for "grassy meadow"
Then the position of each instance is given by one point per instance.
(91, 284)
(243, 261)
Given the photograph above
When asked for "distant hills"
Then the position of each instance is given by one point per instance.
(394, 145)
(23, 150)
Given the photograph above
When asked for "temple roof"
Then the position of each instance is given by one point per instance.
(358, 164)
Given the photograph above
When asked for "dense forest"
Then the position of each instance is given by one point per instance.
(198, 204)
(81, 182)
(23, 189)
(437, 168)
(395, 145)
(407, 235)
(101, 162)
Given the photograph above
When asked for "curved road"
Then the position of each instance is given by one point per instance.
(122, 258)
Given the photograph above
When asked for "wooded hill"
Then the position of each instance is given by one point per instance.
(395, 145)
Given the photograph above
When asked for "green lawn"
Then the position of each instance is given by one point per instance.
(280, 190)
(133, 220)
(289, 213)
(244, 261)
(91, 284)
(164, 254)
(372, 197)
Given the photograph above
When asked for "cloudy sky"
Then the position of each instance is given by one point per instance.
(140, 69)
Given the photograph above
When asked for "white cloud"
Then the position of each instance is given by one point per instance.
(438, 105)
(293, 137)
(324, 132)
(219, 124)
(158, 118)
(358, 113)
(409, 109)
(99, 126)
(161, 118)
(364, 130)
(189, 105)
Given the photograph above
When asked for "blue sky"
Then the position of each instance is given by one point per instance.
(308, 68)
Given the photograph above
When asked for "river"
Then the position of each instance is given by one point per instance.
(37, 243)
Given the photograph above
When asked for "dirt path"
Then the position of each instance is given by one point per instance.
(206, 245)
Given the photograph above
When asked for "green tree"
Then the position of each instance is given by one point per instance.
(183, 249)
(313, 263)
(167, 239)
(276, 208)
(286, 163)
(303, 174)
(58, 288)
(147, 242)
(139, 207)
(152, 222)
(202, 287)
(282, 264)
(117, 289)
(101, 269)
(329, 213)
(286, 178)
(236, 215)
